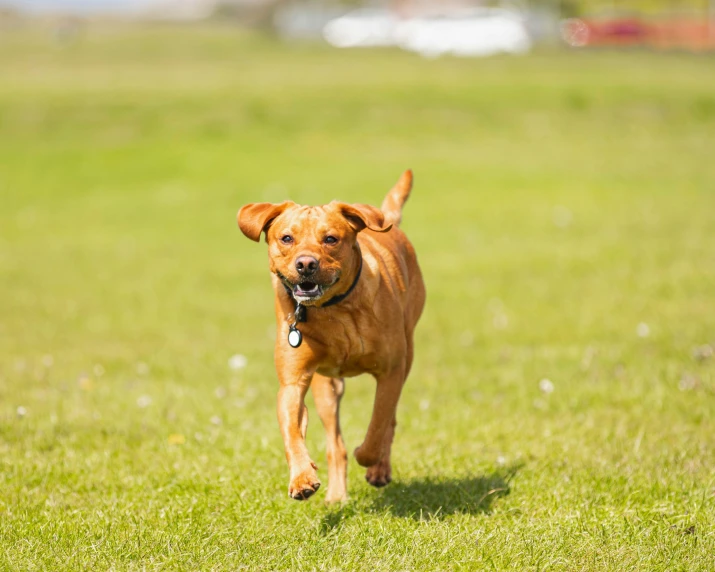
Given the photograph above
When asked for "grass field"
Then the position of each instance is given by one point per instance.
(564, 215)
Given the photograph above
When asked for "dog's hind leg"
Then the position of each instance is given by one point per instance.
(327, 392)
(380, 474)
(387, 395)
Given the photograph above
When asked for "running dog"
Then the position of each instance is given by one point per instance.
(348, 295)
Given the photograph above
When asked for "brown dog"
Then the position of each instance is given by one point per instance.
(348, 294)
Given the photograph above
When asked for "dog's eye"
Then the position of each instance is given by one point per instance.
(330, 240)
(287, 239)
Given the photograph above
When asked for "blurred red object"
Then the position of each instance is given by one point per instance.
(688, 34)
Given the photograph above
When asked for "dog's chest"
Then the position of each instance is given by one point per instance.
(352, 352)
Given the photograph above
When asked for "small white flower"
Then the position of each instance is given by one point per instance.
(562, 216)
(144, 401)
(501, 460)
(703, 352)
(216, 420)
(237, 362)
(688, 382)
(98, 370)
(495, 305)
(424, 405)
(546, 385)
(588, 356)
(48, 360)
(643, 330)
(500, 321)
(142, 368)
(21, 411)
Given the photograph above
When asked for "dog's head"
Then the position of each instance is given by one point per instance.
(311, 248)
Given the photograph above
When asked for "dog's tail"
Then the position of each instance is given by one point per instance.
(396, 198)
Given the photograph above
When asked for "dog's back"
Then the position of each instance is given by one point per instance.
(393, 257)
(397, 246)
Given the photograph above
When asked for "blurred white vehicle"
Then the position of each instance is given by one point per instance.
(362, 28)
(477, 33)
(484, 33)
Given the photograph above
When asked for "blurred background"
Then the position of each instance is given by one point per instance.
(462, 27)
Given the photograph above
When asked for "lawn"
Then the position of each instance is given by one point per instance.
(560, 414)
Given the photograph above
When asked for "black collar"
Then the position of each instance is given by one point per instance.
(300, 309)
(341, 297)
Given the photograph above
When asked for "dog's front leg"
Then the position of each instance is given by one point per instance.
(327, 393)
(293, 421)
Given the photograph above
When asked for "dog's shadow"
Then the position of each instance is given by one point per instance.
(431, 498)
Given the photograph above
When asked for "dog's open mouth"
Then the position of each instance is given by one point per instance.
(307, 290)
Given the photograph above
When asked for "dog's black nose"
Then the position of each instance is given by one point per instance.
(306, 265)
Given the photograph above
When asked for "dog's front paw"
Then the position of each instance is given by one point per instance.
(334, 496)
(304, 484)
(379, 475)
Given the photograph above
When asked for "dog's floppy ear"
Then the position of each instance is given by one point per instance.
(361, 217)
(255, 218)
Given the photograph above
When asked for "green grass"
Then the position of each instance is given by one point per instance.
(561, 200)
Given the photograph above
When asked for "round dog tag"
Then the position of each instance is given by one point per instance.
(295, 338)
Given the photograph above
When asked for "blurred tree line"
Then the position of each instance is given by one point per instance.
(261, 13)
